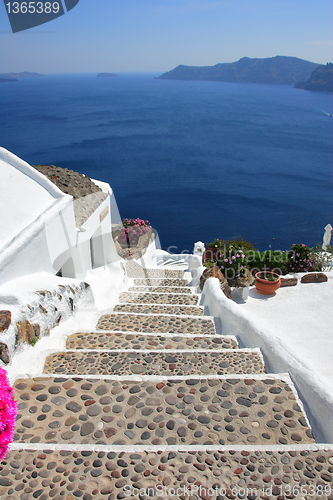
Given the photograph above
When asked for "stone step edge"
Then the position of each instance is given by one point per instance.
(126, 313)
(185, 287)
(164, 293)
(164, 305)
(175, 448)
(162, 279)
(164, 334)
(284, 377)
(162, 314)
(157, 334)
(254, 350)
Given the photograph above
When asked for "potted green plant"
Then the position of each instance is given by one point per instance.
(267, 282)
(212, 252)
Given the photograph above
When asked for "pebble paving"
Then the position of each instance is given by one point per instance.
(159, 289)
(160, 282)
(134, 270)
(224, 410)
(114, 340)
(160, 309)
(159, 298)
(197, 475)
(154, 363)
(155, 324)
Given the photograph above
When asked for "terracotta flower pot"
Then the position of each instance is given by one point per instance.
(267, 287)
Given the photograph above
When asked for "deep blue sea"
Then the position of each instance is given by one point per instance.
(199, 160)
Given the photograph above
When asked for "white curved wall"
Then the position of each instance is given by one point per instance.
(316, 395)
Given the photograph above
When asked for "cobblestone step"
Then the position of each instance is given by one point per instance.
(163, 363)
(160, 309)
(160, 289)
(114, 340)
(221, 410)
(160, 298)
(160, 282)
(134, 270)
(145, 323)
(199, 475)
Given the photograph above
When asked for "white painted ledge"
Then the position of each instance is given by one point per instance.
(279, 356)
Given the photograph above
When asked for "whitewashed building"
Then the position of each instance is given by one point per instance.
(43, 230)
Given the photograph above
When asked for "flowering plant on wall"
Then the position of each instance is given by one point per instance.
(132, 230)
(234, 262)
(299, 257)
(8, 411)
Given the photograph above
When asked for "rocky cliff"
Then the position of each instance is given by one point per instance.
(281, 70)
(321, 79)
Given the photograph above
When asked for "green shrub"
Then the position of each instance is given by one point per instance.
(269, 260)
(209, 263)
(321, 261)
(239, 243)
(214, 244)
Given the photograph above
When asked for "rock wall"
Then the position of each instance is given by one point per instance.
(68, 181)
(34, 319)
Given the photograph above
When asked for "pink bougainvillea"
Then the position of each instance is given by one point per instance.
(8, 411)
(132, 230)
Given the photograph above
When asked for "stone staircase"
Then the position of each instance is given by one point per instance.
(155, 404)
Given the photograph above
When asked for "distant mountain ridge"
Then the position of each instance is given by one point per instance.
(107, 75)
(278, 70)
(24, 74)
(321, 79)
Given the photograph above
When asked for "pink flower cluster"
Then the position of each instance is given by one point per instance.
(132, 230)
(235, 259)
(299, 258)
(8, 411)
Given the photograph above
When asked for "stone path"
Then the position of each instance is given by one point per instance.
(159, 289)
(160, 298)
(147, 323)
(116, 340)
(160, 309)
(155, 363)
(155, 404)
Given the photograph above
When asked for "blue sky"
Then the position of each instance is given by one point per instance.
(157, 35)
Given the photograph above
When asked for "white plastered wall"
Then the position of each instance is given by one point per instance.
(38, 228)
(316, 395)
(37, 220)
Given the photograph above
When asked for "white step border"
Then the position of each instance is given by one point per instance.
(175, 448)
(126, 313)
(168, 351)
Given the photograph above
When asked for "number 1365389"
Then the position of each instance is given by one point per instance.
(32, 7)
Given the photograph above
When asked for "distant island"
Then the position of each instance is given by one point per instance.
(279, 70)
(14, 77)
(107, 75)
(321, 79)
